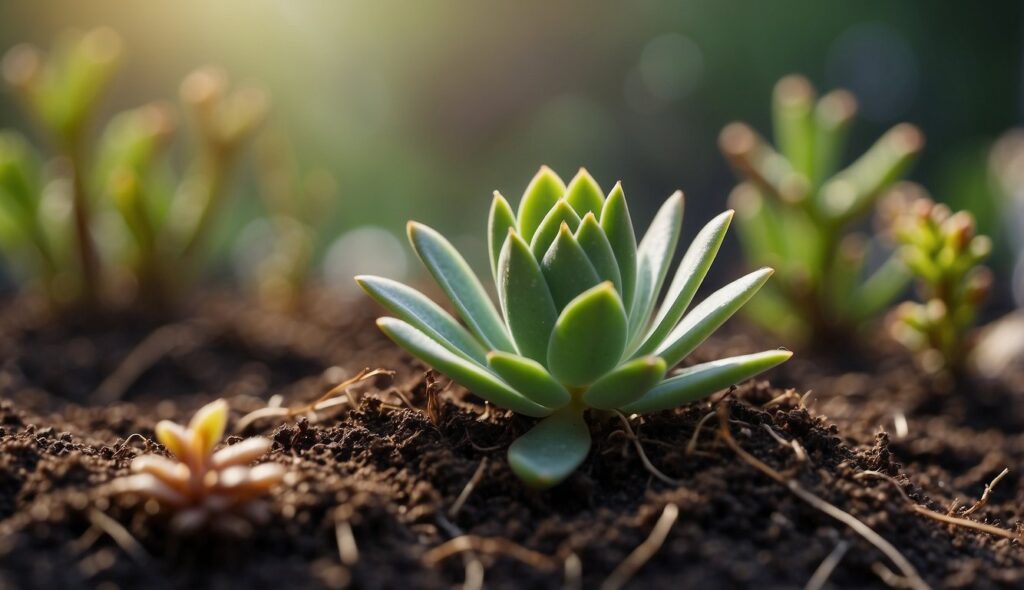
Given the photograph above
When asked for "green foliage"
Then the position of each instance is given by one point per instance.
(943, 252)
(795, 206)
(165, 216)
(579, 323)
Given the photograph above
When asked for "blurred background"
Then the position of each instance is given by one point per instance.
(420, 110)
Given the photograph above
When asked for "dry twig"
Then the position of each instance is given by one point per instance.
(984, 495)
(827, 566)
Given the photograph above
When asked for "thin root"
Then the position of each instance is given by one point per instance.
(827, 566)
(489, 546)
(691, 447)
(121, 536)
(348, 551)
(864, 531)
(643, 456)
(644, 551)
(466, 491)
(984, 495)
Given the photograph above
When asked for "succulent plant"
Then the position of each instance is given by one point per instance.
(579, 326)
(944, 253)
(794, 207)
(206, 489)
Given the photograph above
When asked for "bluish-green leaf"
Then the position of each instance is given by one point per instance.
(551, 450)
(700, 381)
(567, 269)
(589, 337)
(618, 227)
(545, 235)
(653, 257)
(474, 378)
(595, 243)
(692, 270)
(464, 290)
(541, 195)
(499, 221)
(626, 383)
(584, 194)
(709, 314)
(525, 299)
(529, 378)
(418, 310)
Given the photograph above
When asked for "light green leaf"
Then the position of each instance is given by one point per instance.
(880, 289)
(474, 378)
(793, 121)
(584, 194)
(552, 450)
(589, 337)
(525, 299)
(595, 243)
(545, 235)
(653, 257)
(541, 195)
(460, 284)
(618, 227)
(709, 315)
(529, 378)
(832, 117)
(626, 384)
(499, 221)
(425, 315)
(567, 269)
(692, 270)
(700, 381)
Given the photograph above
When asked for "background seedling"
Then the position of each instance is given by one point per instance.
(579, 325)
(942, 251)
(795, 208)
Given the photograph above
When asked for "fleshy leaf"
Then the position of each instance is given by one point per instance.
(425, 315)
(589, 337)
(529, 378)
(593, 241)
(692, 270)
(464, 290)
(709, 315)
(625, 384)
(618, 227)
(541, 195)
(525, 299)
(499, 221)
(207, 426)
(567, 269)
(480, 381)
(174, 437)
(654, 254)
(700, 381)
(561, 213)
(584, 194)
(552, 450)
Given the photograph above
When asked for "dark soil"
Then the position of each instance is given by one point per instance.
(393, 472)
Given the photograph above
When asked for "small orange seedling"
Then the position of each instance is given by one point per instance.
(206, 489)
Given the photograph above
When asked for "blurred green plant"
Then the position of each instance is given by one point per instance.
(1006, 165)
(580, 327)
(299, 203)
(127, 170)
(795, 207)
(944, 254)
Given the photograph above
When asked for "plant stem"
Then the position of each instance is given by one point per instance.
(80, 206)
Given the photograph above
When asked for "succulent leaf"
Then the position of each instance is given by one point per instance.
(499, 221)
(709, 314)
(207, 426)
(618, 228)
(595, 243)
(567, 269)
(541, 194)
(551, 450)
(625, 384)
(530, 378)
(561, 213)
(700, 381)
(525, 299)
(589, 337)
(480, 381)
(653, 257)
(425, 315)
(692, 270)
(464, 290)
(584, 194)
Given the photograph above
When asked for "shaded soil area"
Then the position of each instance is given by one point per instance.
(391, 466)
